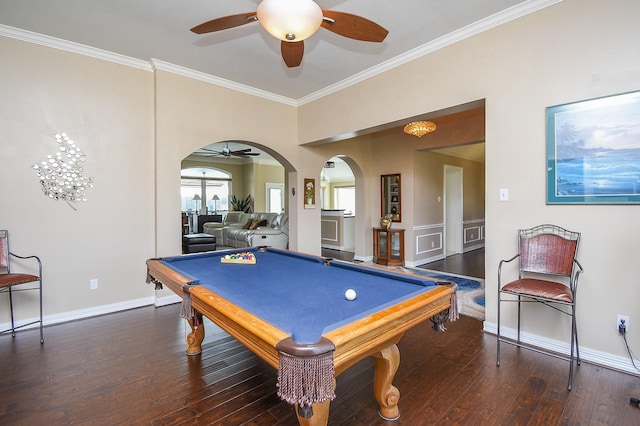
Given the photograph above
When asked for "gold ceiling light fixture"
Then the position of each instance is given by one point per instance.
(419, 128)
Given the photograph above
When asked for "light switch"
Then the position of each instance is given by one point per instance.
(504, 194)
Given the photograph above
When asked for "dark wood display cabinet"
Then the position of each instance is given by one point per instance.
(388, 246)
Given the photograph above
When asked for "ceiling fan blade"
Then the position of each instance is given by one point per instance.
(243, 152)
(206, 152)
(224, 23)
(353, 26)
(292, 52)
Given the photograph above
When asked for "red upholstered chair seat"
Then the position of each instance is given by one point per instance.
(7, 280)
(540, 288)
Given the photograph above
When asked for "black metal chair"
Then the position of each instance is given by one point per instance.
(548, 273)
(12, 282)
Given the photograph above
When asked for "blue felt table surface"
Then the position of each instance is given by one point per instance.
(299, 294)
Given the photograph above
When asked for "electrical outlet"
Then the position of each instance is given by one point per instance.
(622, 319)
(93, 284)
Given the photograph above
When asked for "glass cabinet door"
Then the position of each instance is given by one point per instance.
(382, 238)
(394, 250)
(388, 246)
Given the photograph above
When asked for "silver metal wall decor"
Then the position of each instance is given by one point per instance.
(61, 175)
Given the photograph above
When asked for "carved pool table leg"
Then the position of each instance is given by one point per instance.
(320, 415)
(195, 338)
(387, 395)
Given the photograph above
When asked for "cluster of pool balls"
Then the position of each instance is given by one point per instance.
(240, 256)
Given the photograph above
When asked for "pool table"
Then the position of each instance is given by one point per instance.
(290, 309)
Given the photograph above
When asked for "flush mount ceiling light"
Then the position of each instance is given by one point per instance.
(290, 20)
(419, 128)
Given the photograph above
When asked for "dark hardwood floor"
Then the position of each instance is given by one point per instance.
(338, 254)
(470, 264)
(130, 368)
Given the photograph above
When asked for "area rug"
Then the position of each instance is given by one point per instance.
(470, 290)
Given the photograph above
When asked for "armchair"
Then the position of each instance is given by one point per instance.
(218, 228)
(275, 235)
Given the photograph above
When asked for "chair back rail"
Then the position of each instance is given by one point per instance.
(547, 254)
(4, 250)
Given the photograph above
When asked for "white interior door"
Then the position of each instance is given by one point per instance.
(453, 205)
(275, 197)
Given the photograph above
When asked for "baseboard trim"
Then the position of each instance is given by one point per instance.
(168, 300)
(473, 247)
(363, 258)
(83, 313)
(591, 356)
(420, 262)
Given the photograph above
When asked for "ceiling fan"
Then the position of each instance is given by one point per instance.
(227, 152)
(293, 21)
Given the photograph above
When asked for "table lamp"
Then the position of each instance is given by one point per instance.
(215, 203)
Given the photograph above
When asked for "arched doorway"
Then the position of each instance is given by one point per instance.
(251, 170)
(249, 176)
(339, 206)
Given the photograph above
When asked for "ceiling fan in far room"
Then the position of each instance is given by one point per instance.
(293, 21)
(227, 152)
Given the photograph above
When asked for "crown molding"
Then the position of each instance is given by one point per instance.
(208, 78)
(495, 20)
(72, 47)
(151, 65)
(478, 27)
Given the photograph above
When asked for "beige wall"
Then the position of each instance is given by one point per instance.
(577, 49)
(107, 109)
(191, 114)
(135, 126)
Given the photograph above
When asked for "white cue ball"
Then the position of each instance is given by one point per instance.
(350, 294)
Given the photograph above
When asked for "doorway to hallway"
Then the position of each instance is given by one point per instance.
(469, 264)
(453, 207)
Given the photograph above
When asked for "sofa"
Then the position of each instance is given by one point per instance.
(239, 229)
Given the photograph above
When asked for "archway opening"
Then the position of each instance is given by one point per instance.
(338, 202)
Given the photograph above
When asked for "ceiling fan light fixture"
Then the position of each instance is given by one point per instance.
(290, 20)
(419, 128)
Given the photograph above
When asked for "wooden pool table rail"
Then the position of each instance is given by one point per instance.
(375, 335)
